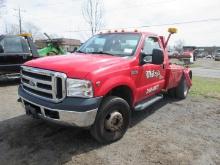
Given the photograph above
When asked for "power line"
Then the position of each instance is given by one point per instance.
(156, 25)
(107, 10)
(184, 22)
(143, 26)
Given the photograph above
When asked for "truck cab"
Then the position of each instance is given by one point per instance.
(14, 51)
(97, 87)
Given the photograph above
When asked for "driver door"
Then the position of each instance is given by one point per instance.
(152, 78)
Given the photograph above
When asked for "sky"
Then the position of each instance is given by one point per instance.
(64, 18)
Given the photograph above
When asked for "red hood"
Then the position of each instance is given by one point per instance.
(75, 65)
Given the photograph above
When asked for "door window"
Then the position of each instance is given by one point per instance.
(150, 43)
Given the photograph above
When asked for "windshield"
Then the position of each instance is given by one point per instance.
(117, 44)
(15, 44)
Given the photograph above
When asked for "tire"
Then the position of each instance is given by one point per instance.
(182, 89)
(112, 120)
(171, 93)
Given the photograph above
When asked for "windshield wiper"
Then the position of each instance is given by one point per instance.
(101, 52)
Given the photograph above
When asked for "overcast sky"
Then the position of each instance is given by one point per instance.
(63, 17)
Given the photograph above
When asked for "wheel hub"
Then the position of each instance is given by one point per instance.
(114, 121)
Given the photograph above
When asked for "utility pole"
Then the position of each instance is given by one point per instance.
(19, 15)
(19, 18)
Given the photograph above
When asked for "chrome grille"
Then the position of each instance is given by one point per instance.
(45, 84)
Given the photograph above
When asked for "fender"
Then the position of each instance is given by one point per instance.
(114, 82)
(188, 76)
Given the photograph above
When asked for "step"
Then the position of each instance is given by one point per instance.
(148, 102)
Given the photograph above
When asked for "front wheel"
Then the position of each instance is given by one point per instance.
(112, 120)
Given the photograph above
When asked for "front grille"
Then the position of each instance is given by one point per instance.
(45, 84)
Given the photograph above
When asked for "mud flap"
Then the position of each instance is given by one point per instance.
(186, 73)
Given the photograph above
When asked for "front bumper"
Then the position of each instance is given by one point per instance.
(8, 72)
(78, 112)
(11, 76)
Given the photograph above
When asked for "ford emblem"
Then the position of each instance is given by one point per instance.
(32, 83)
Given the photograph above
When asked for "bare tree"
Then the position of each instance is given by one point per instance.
(11, 29)
(29, 27)
(178, 45)
(2, 4)
(93, 14)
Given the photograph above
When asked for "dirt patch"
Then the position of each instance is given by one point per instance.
(169, 132)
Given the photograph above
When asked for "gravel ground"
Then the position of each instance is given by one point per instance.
(169, 132)
(208, 63)
(207, 68)
(201, 72)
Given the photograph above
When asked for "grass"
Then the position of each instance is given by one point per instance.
(206, 87)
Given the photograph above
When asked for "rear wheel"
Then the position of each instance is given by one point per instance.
(182, 89)
(112, 120)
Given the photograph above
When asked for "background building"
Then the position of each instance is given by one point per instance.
(67, 44)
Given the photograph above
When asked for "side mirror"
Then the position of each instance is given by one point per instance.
(157, 56)
(1, 49)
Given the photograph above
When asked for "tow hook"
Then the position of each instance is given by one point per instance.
(31, 111)
(19, 100)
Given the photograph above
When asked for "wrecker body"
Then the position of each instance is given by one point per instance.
(98, 86)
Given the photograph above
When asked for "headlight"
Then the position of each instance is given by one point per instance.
(79, 88)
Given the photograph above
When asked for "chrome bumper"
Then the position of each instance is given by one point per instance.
(79, 119)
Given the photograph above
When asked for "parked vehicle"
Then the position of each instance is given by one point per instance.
(201, 53)
(173, 54)
(209, 56)
(14, 51)
(189, 51)
(97, 87)
(217, 55)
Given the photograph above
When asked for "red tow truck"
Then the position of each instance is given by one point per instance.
(189, 54)
(98, 86)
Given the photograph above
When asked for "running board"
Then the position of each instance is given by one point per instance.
(147, 103)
